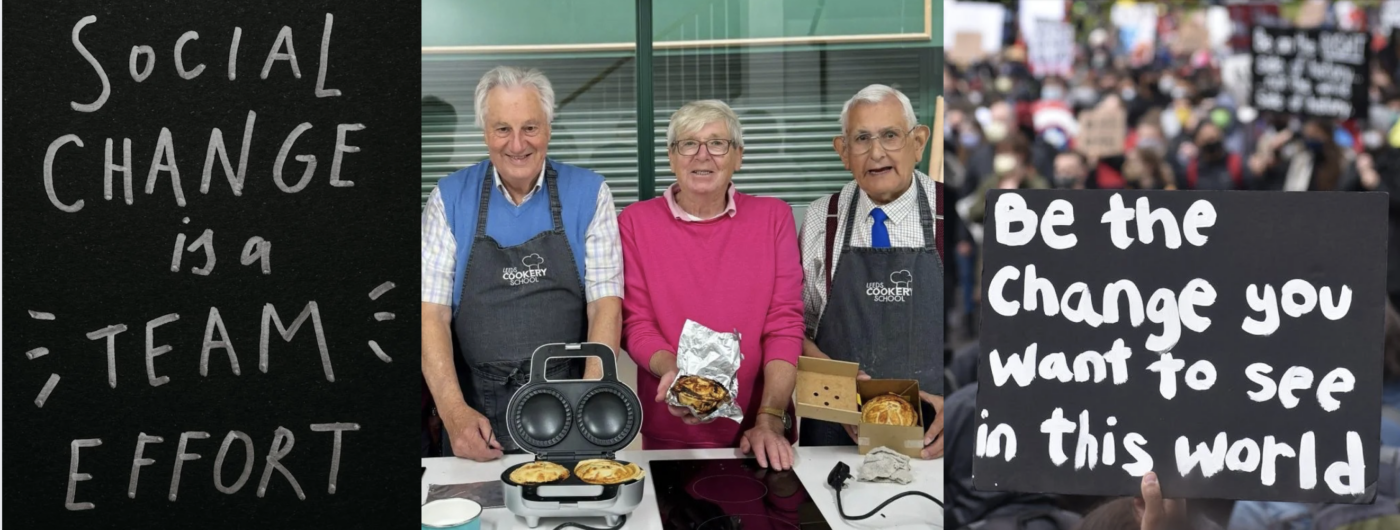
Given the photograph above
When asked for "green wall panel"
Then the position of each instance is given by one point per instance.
(536, 22)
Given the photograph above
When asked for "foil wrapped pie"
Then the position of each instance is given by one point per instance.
(707, 364)
(600, 471)
(540, 472)
(888, 409)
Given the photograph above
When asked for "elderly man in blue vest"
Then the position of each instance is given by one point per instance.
(873, 264)
(518, 251)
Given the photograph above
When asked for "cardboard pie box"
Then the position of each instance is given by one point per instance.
(827, 390)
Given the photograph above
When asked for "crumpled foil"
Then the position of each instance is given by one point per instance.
(713, 355)
(489, 494)
(883, 464)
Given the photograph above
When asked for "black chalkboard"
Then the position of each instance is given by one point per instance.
(1320, 73)
(1293, 247)
(79, 260)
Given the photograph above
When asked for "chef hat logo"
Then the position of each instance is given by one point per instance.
(901, 278)
(533, 261)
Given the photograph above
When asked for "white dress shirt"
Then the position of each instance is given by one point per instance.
(602, 247)
(902, 222)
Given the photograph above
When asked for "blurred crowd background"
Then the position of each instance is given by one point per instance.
(1155, 96)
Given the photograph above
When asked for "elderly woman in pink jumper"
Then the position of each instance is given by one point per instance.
(727, 260)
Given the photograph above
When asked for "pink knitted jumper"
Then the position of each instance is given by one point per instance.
(732, 272)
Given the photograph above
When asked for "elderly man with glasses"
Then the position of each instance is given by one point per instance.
(872, 262)
(727, 260)
(518, 251)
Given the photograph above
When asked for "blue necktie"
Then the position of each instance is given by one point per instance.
(879, 235)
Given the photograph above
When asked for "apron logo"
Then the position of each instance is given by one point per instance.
(901, 289)
(531, 274)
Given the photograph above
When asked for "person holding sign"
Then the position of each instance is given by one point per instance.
(518, 251)
(1152, 511)
(1310, 161)
(1210, 165)
(728, 261)
(872, 265)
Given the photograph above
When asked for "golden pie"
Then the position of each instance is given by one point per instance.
(703, 395)
(888, 409)
(600, 471)
(539, 473)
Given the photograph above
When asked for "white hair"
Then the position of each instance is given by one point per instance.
(875, 94)
(695, 115)
(514, 77)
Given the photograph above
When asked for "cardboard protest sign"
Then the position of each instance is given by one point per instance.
(1193, 36)
(210, 262)
(1311, 14)
(1051, 48)
(967, 48)
(1102, 131)
(983, 18)
(1218, 339)
(1311, 72)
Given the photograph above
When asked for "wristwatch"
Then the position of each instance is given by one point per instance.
(781, 414)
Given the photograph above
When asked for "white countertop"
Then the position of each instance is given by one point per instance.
(812, 465)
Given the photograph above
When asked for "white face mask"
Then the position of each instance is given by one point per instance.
(1372, 139)
(1166, 84)
(1003, 84)
(1003, 163)
(1152, 144)
(1170, 125)
(1084, 95)
(996, 131)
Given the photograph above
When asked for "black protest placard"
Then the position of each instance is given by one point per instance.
(1319, 73)
(210, 257)
(1230, 342)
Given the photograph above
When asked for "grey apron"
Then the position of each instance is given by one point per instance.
(515, 299)
(884, 310)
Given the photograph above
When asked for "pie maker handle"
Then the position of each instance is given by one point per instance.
(546, 352)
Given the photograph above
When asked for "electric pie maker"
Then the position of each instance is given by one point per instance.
(566, 422)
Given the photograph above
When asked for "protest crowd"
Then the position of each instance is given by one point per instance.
(1142, 96)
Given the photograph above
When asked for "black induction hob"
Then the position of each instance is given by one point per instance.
(731, 494)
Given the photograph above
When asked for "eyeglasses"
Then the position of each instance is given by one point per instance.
(503, 131)
(890, 139)
(717, 147)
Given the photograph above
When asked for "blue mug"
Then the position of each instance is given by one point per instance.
(453, 514)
